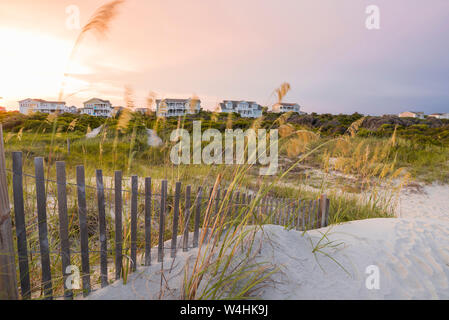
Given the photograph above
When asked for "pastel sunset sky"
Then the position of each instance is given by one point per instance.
(234, 49)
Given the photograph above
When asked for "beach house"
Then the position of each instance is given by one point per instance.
(287, 107)
(97, 107)
(38, 105)
(439, 115)
(412, 114)
(246, 109)
(177, 107)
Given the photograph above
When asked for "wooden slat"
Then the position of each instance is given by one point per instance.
(270, 210)
(148, 221)
(102, 229)
(187, 213)
(264, 209)
(242, 206)
(160, 253)
(41, 198)
(298, 215)
(118, 224)
(288, 213)
(294, 215)
(303, 214)
(274, 214)
(8, 281)
(281, 212)
(63, 224)
(217, 202)
(174, 240)
(323, 205)
(230, 206)
(328, 203)
(310, 216)
(134, 199)
(19, 211)
(82, 214)
(196, 230)
(236, 205)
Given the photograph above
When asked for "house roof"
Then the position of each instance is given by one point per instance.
(177, 100)
(42, 101)
(101, 100)
(287, 104)
(234, 102)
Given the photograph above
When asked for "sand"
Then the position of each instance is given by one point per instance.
(94, 132)
(411, 254)
(153, 139)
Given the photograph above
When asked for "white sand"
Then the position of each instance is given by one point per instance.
(153, 139)
(411, 252)
(94, 133)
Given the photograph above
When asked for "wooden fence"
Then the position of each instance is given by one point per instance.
(171, 212)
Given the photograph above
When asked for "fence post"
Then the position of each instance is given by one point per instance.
(185, 239)
(102, 229)
(118, 224)
(134, 199)
(19, 212)
(174, 239)
(84, 233)
(63, 224)
(323, 207)
(41, 199)
(196, 231)
(8, 281)
(147, 221)
(160, 253)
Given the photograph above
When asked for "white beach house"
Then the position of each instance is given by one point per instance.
(38, 105)
(412, 114)
(177, 107)
(97, 107)
(287, 107)
(439, 115)
(246, 109)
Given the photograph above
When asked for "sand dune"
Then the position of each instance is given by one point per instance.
(411, 253)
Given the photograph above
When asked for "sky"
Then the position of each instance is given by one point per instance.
(233, 49)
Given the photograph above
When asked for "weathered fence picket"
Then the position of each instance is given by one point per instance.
(134, 199)
(148, 221)
(160, 252)
(196, 231)
(63, 225)
(102, 229)
(174, 238)
(118, 224)
(41, 200)
(82, 215)
(187, 212)
(8, 281)
(19, 212)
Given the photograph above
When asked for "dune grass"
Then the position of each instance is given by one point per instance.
(224, 267)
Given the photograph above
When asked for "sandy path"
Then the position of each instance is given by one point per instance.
(153, 139)
(94, 132)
